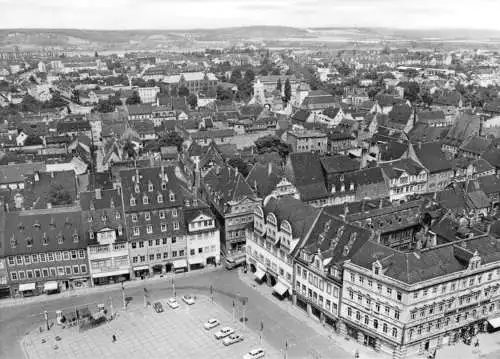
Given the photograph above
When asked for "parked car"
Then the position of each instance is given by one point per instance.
(224, 332)
(189, 300)
(211, 323)
(255, 354)
(232, 339)
(158, 307)
(172, 303)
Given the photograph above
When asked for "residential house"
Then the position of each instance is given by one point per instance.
(206, 136)
(430, 156)
(148, 94)
(270, 179)
(13, 176)
(466, 126)
(432, 118)
(474, 147)
(318, 100)
(405, 177)
(194, 81)
(301, 140)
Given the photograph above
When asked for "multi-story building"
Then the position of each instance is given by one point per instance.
(193, 81)
(413, 303)
(103, 224)
(148, 94)
(203, 239)
(318, 266)
(153, 200)
(302, 140)
(45, 250)
(279, 227)
(233, 201)
(405, 177)
(439, 169)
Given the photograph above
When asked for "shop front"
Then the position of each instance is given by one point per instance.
(51, 287)
(281, 290)
(141, 272)
(180, 265)
(196, 263)
(27, 289)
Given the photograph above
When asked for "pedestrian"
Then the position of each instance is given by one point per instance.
(356, 354)
(114, 338)
(476, 344)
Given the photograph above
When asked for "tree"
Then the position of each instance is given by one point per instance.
(276, 72)
(427, 99)
(249, 76)
(272, 143)
(139, 82)
(129, 149)
(192, 100)
(134, 99)
(58, 195)
(412, 92)
(372, 92)
(224, 94)
(288, 91)
(235, 76)
(279, 85)
(241, 165)
(183, 91)
(173, 91)
(96, 54)
(170, 139)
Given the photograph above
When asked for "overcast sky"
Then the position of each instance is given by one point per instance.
(182, 14)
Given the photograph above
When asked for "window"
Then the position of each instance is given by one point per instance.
(163, 227)
(349, 311)
(53, 272)
(76, 269)
(151, 257)
(134, 259)
(160, 198)
(176, 226)
(172, 197)
(158, 256)
(81, 253)
(396, 314)
(181, 253)
(13, 275)
(149, 229)
(384, 328)
(118, 215)
(389, 291)
(394, 332)
(145, 200)
(150, 243)
(147, 216)
(143, 258)
(68, 270)
(174, 212)
(42, 257)
(358, 315)
(19, 260)
(165, 255)
(164, 240)
(60, 271)
(11, 261)
(136, 231)
(34, 258)
(399, 296)
(91, 235)
(150, 187)
(174, 254)
(370, 282)
(73, 254)
(58, 256)
(132, 201)
(83, 268)
(387, 310)
(162, 214)
(375, 323)
(134, 217)
(134, 245)
(22, 275)
(29, 274)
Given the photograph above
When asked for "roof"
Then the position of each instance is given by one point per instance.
(143, 126)
(335, 239)
(482, 166)
(227, 183)
(339, 164)
(16, 173)
(430, 116)
(301, 115)
(492, 106)
(465, 125)
(264, 178)
(385, 100)
(479, 199)
(493, 157)
(301, 216)
(210, 134)
(448, 99)
(140, 109)
(392, 150)
(76, 125)
(400, 113)
(396, 169)
(476, 145)
(362, 177)
(431, 157)
(23, 228)
(424, 133)
(306, 168)
(489, 184)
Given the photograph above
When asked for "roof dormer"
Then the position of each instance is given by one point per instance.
(376, 268)
(475, 261)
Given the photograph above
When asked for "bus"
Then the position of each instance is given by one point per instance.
(235, 260)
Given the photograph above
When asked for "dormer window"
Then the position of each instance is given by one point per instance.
(118, 215)
(150, 187)
(136, 188)
(104, 218)
(174, 212)
(90, 219)
(159, 198)
(91, 235)
(132, 201)
(376, 268)
(112, 204)
(60, 238)
(36, 225)
(13, 242)
(29, 241)
(92, 207)
(145, 200)
(342, 188)
(120, 230)
(45, 239)
(164, 186)
(351, 188)
(147, 216)
(172, 197)
(76, 237)
(195, 202)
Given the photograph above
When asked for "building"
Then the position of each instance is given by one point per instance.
(154, 202)
(301, 140)
(45, 250)
(439, 170)
(413, 303)
(148, 94)
(103, 223)
(279, 228)
(405, 177)
(233, 201)
(193, 81)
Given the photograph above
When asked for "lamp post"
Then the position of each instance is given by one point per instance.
(123, 297)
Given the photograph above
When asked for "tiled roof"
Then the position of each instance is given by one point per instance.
(16, 173)
(301, 115)
(210, 134)
(363, 177)
(493, 157)
(339, 164)
(264, 178)
(24, 227)
(141, 109)
(489, 184)
(392, 150)
(424, 133)
(306, 168)
(482, 166)
(476, 145)
(431, 156)
(430, 116)
(37, 188)
(228, 183)
(395, 169)
(400, 113)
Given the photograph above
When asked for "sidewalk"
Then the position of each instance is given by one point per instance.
(6, 303)
(350, 346)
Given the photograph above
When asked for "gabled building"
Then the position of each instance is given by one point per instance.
(405, 177)
(233, 201)
(45, 250)
(104, 228)
(439, 169)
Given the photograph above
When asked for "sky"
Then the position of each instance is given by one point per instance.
(189, 14)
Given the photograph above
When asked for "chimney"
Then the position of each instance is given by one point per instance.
(37, 177)
(51, 174)
(269, 168)
(381, 203)
(49, 205)
(98, 193)
(136, 175)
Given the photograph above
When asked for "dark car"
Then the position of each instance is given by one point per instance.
(158, 307)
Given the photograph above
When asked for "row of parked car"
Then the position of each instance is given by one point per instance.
(172, 303)
(229, 337)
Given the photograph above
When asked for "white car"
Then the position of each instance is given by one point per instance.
(255, 354)
(189, 300)
(172, 303)
(232, 339)
(211, 323)
(224, 332)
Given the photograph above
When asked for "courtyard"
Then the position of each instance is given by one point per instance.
(143, 333)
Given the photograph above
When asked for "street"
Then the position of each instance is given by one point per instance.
(278, 325)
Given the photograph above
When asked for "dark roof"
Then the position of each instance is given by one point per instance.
(489, 184)
(400, 113)
(339, 164)
(212, 134)
(448, 99)
(49, 223)
(392, 150)
(465, 125)
(385, 100)
(228, 183)
(109, 198)
(431, 156)
(264, 178)
(476, 145)
(312, 191)
(430, 116)
(395, 169)
(306, 167)
(143, 126)
(301, 216)
(424, 133)
(301, 115)
(15, 173)
(363, 177)
(482, 166)
(493, 157)
(72, 126)
(492, 106)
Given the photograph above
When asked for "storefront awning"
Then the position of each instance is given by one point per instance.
(52, 285)
(259, 274)
(27, 286)
(180, 263)
(114, 273)
(195, 260)
(141, 267)
(494, 322)
(280, 288)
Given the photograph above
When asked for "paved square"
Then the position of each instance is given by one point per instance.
(142, 333)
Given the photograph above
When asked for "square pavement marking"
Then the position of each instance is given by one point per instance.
(142, 333)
